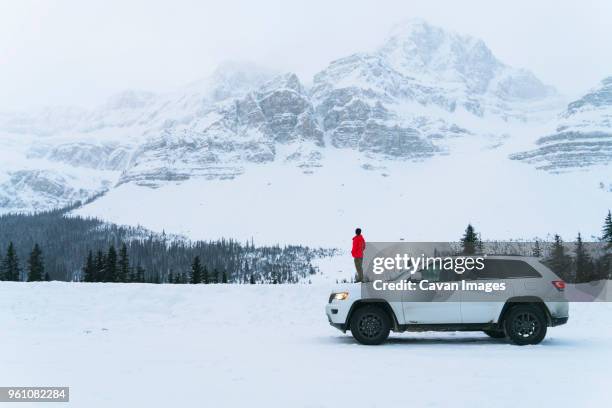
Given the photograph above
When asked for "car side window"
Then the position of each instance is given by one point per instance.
(505, 269)
(520, 269)
(434, 274)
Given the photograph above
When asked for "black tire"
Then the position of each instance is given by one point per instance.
(370, 325)
(496, 334)
(525, 324)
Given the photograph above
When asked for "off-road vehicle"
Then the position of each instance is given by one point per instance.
(532, 301)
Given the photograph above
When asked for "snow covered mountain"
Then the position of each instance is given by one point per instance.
(422, 85)
(232, 132)
(412, 110)
(583, 136)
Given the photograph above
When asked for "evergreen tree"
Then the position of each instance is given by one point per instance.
(155, 278)
(132, 277)
(604, 265)
(607, 230)
(205, 277)
(558, 250)
(36, 267)
(479, 245)
(140, 274)
(89, 270)
(536, 250)
(584, 266)
(196, 271)
(111, 265)
(469, 241)
(10, 264)
(123, 272)
(100, 269)
(559, 262)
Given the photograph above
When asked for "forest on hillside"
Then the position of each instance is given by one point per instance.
(69, 248)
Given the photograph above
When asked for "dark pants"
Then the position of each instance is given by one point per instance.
(359, 268)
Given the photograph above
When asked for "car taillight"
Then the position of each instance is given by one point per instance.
(560, 285)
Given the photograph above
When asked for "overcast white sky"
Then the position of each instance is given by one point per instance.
(79, 52)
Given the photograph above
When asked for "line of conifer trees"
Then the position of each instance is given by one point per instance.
(111, 266)
(10, 269)
(589, 262)
(67, 242)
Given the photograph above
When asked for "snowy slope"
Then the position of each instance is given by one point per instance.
(271, 346)
(582, 137)
(30, 183)
(428, 200)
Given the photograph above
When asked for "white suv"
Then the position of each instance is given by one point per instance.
(533, 300)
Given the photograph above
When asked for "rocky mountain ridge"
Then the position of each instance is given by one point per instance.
(582, 137)
(405, 101)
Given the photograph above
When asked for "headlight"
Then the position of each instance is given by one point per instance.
(338, 296)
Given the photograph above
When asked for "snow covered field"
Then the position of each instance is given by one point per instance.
(139, 345)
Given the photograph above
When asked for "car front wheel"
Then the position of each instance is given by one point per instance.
(525, 324)
(370, 325)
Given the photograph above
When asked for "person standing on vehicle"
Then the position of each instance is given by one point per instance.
(357, 253)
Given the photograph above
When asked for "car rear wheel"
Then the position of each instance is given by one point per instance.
(370, 325)
(525, 324)
(496, 334)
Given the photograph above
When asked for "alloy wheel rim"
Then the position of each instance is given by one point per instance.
(370, 325)
(526, 325)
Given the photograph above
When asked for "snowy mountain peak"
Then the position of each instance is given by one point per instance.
(288, 81)
(417, 48)
(129, 99)
(422, 40)
(233, 79)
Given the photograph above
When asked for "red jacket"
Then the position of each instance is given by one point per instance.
(358, 246)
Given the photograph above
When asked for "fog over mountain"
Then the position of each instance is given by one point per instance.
(583, 136)
(424, 97)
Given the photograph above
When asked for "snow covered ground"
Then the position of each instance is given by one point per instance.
(139, 345)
